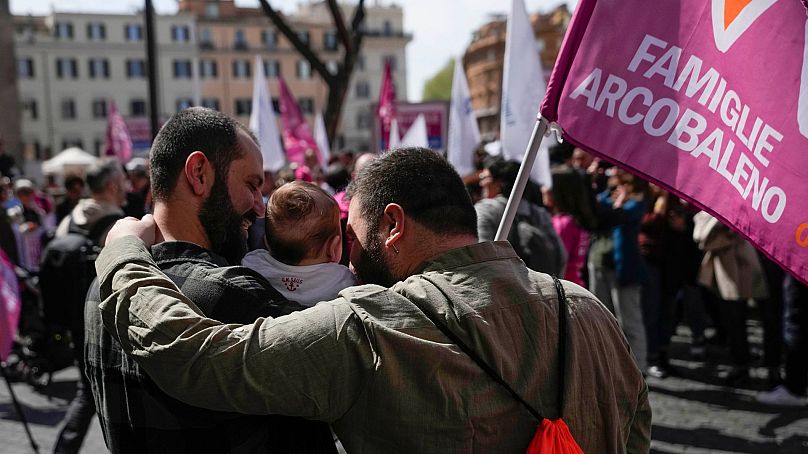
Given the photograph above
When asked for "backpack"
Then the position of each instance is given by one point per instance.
(536, 242)
(552, 436)
(67, 270)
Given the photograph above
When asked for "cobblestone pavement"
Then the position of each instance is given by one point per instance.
(693, 413)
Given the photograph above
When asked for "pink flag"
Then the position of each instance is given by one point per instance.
(702, 97)
(10, 305)
(387, 106)
(119, 144)
(297, 137)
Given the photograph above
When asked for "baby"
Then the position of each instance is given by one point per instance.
(305, 245)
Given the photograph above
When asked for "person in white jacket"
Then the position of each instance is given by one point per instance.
(304, 238)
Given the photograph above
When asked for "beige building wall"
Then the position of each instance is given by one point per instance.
(51, 130)
(9, 98)
(485, 56)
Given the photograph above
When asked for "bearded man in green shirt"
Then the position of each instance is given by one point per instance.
(373, 362)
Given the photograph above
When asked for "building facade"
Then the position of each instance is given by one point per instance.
(9, 94)
(485, 57)
(71, 65)
(230, 37)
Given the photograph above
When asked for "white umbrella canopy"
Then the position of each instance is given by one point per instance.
(73, 158)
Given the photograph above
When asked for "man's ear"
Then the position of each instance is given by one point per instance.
(199, 173)
(392, 224)
(334, 248)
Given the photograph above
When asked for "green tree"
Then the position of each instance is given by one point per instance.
(439, 87)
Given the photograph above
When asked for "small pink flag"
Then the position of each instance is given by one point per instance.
(119, 143)
(297, 137)
(387, 106)
(10, 305)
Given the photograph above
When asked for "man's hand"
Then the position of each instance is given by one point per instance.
(145, 229)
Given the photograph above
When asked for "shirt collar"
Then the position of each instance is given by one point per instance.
(467, 255)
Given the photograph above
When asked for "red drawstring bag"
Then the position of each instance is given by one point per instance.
(552, 436)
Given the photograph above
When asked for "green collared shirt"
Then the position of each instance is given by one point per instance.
(372, 363)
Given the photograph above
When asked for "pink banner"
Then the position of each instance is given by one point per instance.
(119, 143)
(10, 305)
(386, 109)
(703, 97)
(297, 137)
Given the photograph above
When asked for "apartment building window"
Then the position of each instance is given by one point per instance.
(184, 103)
(243, 106)
(68, 107)
(387, 28)
(360, 62)
(330, 40)
(276, 105)
(241, 69)
(332, 66)
(180, 33)
(306, 105)
(240, 40)
(137, 108)
(63, 30)
(389, 59)
(99, 68)
(272, 69)
(208, 69)
(210, 103)
(205, 38)
(99, 108)
(67, 68)
(362, 89)
(135, 69)
(303, 69)
(212, 9)
(72, 142)
(363, 120)
(25, 68)
(29, 109)
(133, 32)
(269, 38)
(96, 31)
(98, 146)
(182, 69)
(303, 36)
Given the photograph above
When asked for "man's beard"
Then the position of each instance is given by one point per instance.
(372, 267)
(223, 224)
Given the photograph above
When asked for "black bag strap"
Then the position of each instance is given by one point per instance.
(562, 348)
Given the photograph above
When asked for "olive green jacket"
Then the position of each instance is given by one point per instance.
(373, 365)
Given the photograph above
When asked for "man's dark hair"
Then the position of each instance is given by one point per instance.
(195, 129)
(506, 172)
(561, 152)
(100, 174)
(425, 185)
(73, 181)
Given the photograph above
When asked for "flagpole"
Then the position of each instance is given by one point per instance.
(521, 179)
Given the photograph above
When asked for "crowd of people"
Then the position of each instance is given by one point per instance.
(281, 253)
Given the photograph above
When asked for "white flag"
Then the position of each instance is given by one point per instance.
(395, 138)
(416, 136)
(321, 137)
(523, 88)
(262, 121)
(464, 134)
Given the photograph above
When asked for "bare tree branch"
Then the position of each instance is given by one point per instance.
(301, 47)
(339, 22)
(358, 18)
